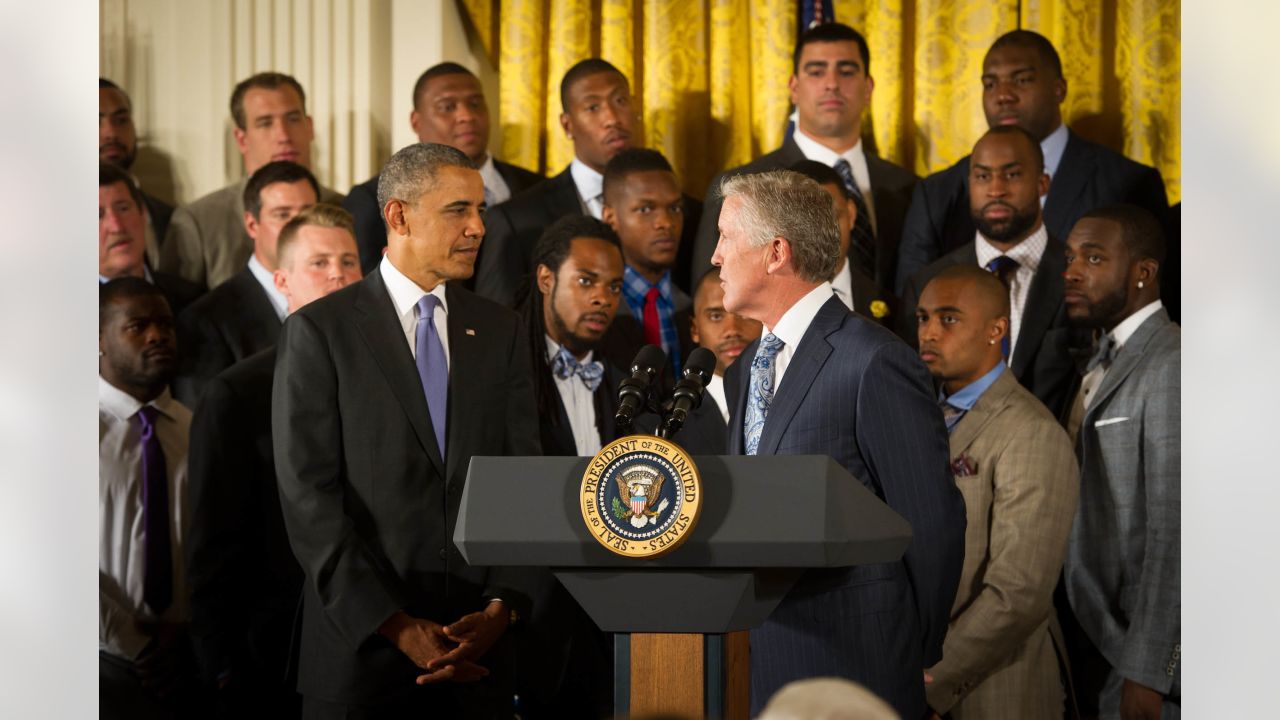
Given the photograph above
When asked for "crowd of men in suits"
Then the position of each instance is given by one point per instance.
(292, 384)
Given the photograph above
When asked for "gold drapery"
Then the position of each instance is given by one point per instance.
(710, 76)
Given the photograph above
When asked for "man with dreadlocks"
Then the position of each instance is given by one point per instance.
(566, 662)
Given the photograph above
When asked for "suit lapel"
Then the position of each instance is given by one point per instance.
(982, 412)
(1074, 171)
(564, 198)
(466, 345)
(1127, 359)
(805, 363)
(736, 381)
(381, 330)
(1044, 297)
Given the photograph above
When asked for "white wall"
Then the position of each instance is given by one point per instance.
(357, 60)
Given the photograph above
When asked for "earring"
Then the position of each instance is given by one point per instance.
(1139, 284)
(991, 342)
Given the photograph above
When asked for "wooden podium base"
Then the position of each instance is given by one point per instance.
(687, 674)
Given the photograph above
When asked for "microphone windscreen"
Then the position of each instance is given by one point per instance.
(701, 361)
(650, 359)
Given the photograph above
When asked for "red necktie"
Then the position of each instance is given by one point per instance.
(652, 326)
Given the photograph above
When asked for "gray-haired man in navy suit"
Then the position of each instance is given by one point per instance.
(824, 381)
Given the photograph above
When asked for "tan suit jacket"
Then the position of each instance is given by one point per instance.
(207, 243)
(998, 659)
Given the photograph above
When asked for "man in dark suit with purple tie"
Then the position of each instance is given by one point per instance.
(824, 381)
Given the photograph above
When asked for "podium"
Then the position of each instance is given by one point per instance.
(764, 521)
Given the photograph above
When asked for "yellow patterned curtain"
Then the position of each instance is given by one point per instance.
(710, 76)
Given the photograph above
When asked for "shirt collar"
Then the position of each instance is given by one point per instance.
(123, 406)
(553, 348)
(589, 182)
(814, 150)
(264, 277)
(1053, 147)
(1028, 252)
(636, 287)
(404, 292)
(146, 275)
(843, 281)
(796, 320)
(1130, 325)
(967, 396)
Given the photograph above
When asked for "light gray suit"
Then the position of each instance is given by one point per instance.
(207, 243)
(1123, 573)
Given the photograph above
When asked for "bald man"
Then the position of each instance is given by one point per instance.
(1015, 468)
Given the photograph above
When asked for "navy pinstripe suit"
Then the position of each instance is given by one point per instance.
(856, 392)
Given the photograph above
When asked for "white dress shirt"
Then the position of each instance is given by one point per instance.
(816, 151)
(1053, 146)
(578, 405)
(1028, 254)
(497, 188)
(265, 278)
(1093, 379)
(590, 186)
(405, 295)
(121, 530)
(715, 392)
(842, 284)
(792, 326)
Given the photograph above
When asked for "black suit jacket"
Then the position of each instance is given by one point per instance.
(369, 503)
(1089, 176)
(704, 431)
(891, 188)
(513, 227)
(1043, 360)
(230, 323)
(178, 291)
(855, 392)
(243, 578)
(160, 212)
(371, 230)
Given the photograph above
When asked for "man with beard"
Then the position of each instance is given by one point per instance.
(1123, 573)
(1006, 181)
(144, 667)
(726, 334)
(118, 145)
(564, 661)
(643, 204)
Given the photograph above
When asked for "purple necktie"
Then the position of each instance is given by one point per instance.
(433, 369)
(157, 584)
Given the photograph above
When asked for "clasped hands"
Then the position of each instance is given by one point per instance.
(448, 652)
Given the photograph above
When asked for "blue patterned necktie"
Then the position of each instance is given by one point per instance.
(433, 369)
(157, 577)
(950, 414)
(565, 366)
(1004, 267)
(760, 392)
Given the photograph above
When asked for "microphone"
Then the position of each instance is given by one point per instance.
(633, 392)
(688, 393)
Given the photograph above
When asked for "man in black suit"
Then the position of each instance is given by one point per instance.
(726, 334)
(242, 316)
(643, 205)
(1022, 84)
(383, 392)
(118, 144)
(243, 578)
(1006, 181)
(599, 118)
(564, 661)
(858, 291)
(122, 238)
(448, 108)
(831, 87)
(825, 381)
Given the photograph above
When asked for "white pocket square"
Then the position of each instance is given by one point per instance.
(1109, 421)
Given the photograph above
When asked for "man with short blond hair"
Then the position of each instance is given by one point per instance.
(207, 243)
(243, 577)
(824, 381)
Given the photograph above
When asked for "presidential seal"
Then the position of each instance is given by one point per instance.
(641, 496)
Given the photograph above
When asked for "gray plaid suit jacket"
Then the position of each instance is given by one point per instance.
(1123, 569)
